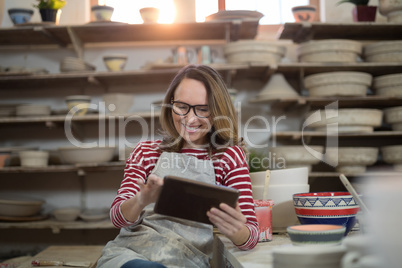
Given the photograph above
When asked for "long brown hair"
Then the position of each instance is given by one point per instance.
(224, 131)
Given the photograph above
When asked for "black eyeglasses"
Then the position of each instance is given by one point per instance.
(182, 108)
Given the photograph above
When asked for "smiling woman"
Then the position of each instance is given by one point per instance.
(128, 10)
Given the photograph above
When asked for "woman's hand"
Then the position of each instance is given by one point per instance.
(149, 193)
(230, 222)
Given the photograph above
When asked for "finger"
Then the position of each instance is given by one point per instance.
(233, 212)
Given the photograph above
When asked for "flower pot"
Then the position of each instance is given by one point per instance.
(52, 15)
(364, 13)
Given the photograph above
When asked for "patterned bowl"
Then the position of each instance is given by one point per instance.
(336, 208)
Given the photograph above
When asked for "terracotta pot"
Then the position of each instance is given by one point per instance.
(364, 13)
(52, 15)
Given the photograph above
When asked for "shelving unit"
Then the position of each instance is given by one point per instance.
(302, 32)
(362, 31)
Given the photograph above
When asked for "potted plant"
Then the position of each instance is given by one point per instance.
(362, 11)
(50, 10)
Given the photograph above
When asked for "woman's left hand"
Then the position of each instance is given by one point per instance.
(230, 222)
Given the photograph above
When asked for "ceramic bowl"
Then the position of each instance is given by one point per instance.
(101, 13)
(15, 206)
(34, 158)
(304, 13)
(149, 14)
(20, 15)
(335, 208)
(78, 104)
(115, 63)
(316, 234)
(308, 256)
(66, 214)
(77, 155)
(389, 85)
(386, 51)
(277, 87)
(118, 103)
(94, 214)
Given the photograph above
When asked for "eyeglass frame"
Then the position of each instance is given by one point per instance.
(172, 102)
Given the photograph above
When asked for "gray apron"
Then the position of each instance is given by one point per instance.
(170, 241)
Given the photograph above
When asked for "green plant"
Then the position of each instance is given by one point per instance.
(355, 2)
(50, 4)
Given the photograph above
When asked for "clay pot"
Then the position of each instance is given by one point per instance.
(364, 13)
(388, 6)
(352, 160)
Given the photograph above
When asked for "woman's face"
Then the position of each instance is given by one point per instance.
(192, 128)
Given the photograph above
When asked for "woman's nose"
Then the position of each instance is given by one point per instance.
(191, 115)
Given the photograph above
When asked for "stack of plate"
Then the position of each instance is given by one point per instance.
(329, 50)
(393, 116)
(72, 64)
(248, 51)
(7, 110)
(338, 84)
(387, 51)
(353, 120)
(33, 110)
(389, 85)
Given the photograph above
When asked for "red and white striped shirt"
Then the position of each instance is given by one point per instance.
(231, 169)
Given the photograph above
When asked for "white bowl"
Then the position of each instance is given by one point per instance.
(77, 155)
(393, 115)
(94, 214)
(118, 103)
(149, 14)
(115, 63)
(101, 13)
(66, 214)
(14, 206)
(78, 104)
(34, 158)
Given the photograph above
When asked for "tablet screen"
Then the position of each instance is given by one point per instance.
(190, 200)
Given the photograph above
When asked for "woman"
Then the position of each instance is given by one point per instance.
(200, 142)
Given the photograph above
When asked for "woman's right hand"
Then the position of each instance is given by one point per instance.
(150, 191)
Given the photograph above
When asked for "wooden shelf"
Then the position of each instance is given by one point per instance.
(307, 68)
(118, 165)
(56, 226)
(91, 33)
(302, 32)
(365, 174)
(81, 118)
(343, 102)
(297, 135)
(106, 79)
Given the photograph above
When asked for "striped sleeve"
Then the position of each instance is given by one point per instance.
(236, 175)
(138, 166)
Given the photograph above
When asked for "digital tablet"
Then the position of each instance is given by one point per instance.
(190, 200)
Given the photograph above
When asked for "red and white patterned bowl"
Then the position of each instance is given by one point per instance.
(337, 208)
